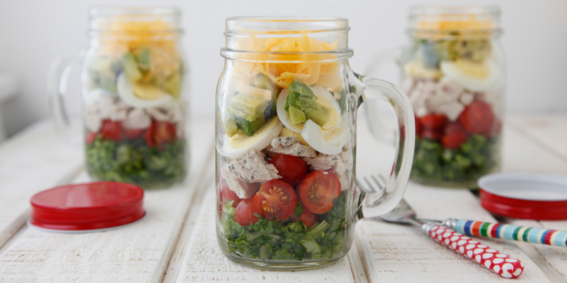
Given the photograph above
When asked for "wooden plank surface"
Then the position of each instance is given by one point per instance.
(136, 253)
(205, 262)
(32, 161)
(536, 144)
(394, 253)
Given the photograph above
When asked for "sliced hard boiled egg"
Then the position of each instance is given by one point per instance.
(238, 145)
(141, 96)
(283, 115)
(474, 76)
(324, 97)
(313, 135)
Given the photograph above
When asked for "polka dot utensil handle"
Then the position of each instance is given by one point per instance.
(508, 232)
(495, 261)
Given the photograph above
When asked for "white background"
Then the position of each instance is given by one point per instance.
(34, 33)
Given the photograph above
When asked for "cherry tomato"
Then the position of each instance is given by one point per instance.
(159, 133)
(244, 213)
(477, 117)
(90, 137)
(291, 168)
(318, 190)
(431, 134)
(227, 194)
(494, 129)
(307, 217)
(133, 133)
(418, 127)
(453, 140)
(275, 199)
(453, 127)
(433, 121)
(111, 130)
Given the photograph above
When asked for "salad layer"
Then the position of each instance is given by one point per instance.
(284, 154)
(134, 112)
(456, 86)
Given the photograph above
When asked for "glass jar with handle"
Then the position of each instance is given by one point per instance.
(133, 83)
(286, 109)
(453, 72)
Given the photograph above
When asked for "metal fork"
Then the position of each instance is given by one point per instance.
(489, 258)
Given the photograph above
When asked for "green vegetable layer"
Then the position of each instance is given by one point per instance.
(287, 240)
(476, 157)
(134, 162)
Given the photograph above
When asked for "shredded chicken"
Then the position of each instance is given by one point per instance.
(253, 168)
(291, 146)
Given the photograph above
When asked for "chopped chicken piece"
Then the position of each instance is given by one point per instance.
(253, 168)
(159, 114)
(422, 91)
(466, 98)
(242, 189)
(447, 91)
(93, 121)
(109, 108)
(451, 110)
(291, 146)
(137, 119)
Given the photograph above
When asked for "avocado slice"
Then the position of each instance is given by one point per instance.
(173, 85)
(307, 103)
(296, 116)
(131, 67)
(247, 107)
(143, 59)
(302, 89)
(262, 81)
(229, 124)
(249, 128)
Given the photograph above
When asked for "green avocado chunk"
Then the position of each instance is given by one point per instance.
(304, 100)
(262, 81)
(297, 116)
(131, 67)
(247, 107)
(249, 128)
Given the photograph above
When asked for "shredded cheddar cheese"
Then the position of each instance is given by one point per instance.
(454, 23)
(298, 59)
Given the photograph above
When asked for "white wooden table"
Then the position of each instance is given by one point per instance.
(176, 241)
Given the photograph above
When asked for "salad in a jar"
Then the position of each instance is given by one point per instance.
(284, 154)
(134, 110)
(455, 82)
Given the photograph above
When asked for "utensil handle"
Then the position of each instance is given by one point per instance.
(509, 232)
(495, 261)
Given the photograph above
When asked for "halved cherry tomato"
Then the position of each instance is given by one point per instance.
(133, 133)
(227, 194)
(291, 168)
(433, 121)
(318, 190)
(244, 213)
(453, 140)
(90, 137)
(494, 129)
(159, 133)
(307, 217)
(111, 130)
(275, 199)
(418, 126)
(477, 117)
(431, 134)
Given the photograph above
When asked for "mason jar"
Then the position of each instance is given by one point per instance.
(286, 107)
(453, 72)
(133, 86)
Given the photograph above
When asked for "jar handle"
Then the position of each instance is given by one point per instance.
(377, 127)
(58, 78)
(405, 142)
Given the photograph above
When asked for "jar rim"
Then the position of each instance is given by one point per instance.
(469, 20)
(102, 15)
(285, 25)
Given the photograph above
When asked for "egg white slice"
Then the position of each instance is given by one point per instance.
(323, 96)
(125, 92)
(492, 80)
(238, 145)
(313, 135)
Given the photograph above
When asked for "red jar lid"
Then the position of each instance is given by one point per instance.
(525, 196)
(88, 206)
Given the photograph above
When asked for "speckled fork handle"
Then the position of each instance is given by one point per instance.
(491, 259)
(508, 232)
